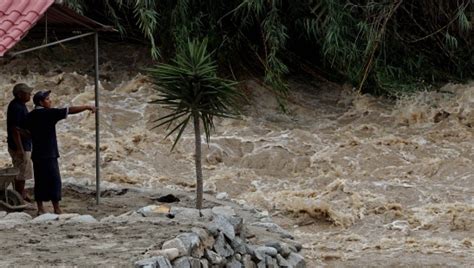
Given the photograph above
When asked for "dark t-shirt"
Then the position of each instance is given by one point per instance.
(16, 116)
(41, 122)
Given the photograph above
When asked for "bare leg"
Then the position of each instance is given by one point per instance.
(20, 188)
(40, 207)
(57, 209)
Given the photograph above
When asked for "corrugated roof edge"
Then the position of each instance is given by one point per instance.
(74, 18)
(64, 15)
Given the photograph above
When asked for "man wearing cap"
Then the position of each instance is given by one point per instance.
(19, 146)
(41, 122)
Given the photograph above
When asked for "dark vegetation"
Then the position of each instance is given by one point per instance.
(380, 46)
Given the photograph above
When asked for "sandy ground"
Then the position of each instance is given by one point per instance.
(108, 244)
(88, 244)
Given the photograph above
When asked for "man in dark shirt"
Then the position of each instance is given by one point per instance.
(41, 123)
(19, 146)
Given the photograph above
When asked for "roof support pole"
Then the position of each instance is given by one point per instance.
(97, 143)
(49, 44)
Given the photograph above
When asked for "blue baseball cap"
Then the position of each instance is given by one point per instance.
(40, 96)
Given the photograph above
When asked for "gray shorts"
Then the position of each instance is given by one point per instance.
(24, 164)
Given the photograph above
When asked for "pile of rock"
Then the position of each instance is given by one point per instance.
(222, 243)
(214, 237)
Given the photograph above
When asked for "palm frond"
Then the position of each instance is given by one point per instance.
(189, 85)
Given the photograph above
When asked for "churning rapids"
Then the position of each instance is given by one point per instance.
(359, 180)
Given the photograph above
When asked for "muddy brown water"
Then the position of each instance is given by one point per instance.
(359, 180)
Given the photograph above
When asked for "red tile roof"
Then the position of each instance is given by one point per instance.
(16, 19)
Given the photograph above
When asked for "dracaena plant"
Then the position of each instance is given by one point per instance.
(191, 90)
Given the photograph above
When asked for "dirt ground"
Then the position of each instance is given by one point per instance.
(81, 244)
(82, 200)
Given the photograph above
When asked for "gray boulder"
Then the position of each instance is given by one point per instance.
(190, 214)
(213, 257)
(67, 216)
(187, 262)
(45, 218)
(82, 219)
(222, 223)
(267, 251)
(154, 262)
(247, 261)
(12, 219)
(271, 262)
(282, 262)
(256, 255)
(222, 196)
(222, 248)
(281, 247)
(169, 253)
(296, 260)
(223, 210)
(204, 263)
(17, 216)
(233, 263)
(207, 240)
(153, 211)
(176, 243)
(193, 244)
(146, 263)
(163, 262)
(238, 245)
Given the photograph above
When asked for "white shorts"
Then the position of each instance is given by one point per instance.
(23, 163)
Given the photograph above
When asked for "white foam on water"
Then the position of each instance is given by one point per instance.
(357, 173)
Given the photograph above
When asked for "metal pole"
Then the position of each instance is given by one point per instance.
(46, 28)
(49, 44)
(97, 148)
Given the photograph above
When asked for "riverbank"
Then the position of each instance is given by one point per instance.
(132, 225)
(357, 179)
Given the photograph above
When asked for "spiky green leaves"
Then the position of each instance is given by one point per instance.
(190, 85)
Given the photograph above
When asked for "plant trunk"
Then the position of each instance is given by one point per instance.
(197, 155)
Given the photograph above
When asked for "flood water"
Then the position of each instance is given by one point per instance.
(359, 180)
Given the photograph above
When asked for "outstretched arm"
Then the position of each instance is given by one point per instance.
(78, 109)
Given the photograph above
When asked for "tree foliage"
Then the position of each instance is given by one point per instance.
(190, 89)
(382, 46)
(190, 86)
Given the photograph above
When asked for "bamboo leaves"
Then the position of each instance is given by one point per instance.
(363, 41)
